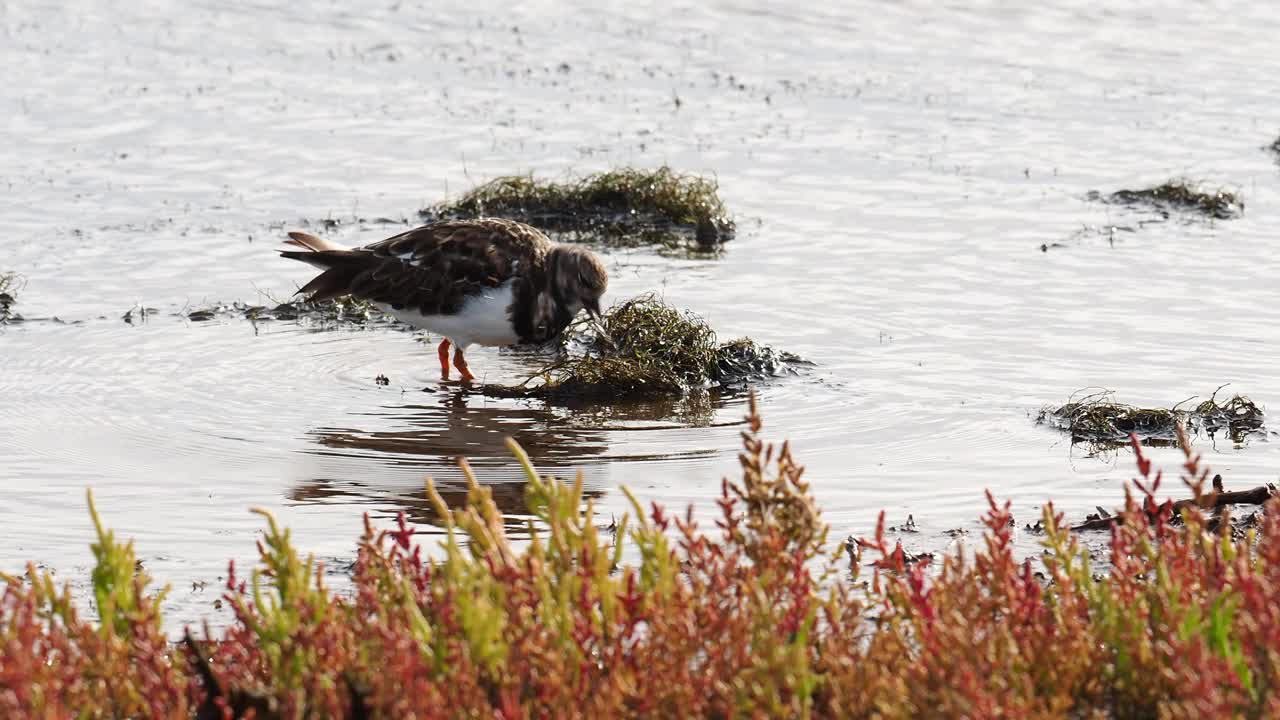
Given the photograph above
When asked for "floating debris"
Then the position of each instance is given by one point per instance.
(649, 349)
(9, 283)
(1179, 195)
(1097, 419)
(627, 206)
(1275, 148)
(142, 313)
(1090, 232)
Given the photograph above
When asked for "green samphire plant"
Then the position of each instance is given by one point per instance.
(754, 617)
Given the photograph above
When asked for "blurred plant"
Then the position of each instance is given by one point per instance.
(53, 664)
(750, 618)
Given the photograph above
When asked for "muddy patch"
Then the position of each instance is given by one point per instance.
(1178, 196)
(1094, 418)
(644, 348)
(625, 207)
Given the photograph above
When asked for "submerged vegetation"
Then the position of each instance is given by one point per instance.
(1180, 195)
(759, 615)
(648, 349)
(1095, 418)
(9, 297)
(627, 206)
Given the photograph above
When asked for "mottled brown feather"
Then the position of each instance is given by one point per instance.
(432, 269)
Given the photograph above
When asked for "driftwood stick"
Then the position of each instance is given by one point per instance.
(1256, 496)
(1102, 523)
(1212, 500)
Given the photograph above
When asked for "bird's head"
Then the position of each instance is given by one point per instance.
(578, 279)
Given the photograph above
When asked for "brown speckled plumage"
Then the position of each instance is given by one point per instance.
(435, 268)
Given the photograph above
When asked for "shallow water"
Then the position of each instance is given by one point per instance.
(894, 170)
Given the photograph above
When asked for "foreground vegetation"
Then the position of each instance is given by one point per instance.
(755, 617)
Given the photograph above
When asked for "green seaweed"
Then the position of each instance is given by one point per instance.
(628, 206)
(1096, 419)
(644, 348)
(1180, 195)
(1238, 416)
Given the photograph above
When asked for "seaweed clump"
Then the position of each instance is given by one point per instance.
(341, 311)
(1098, 420)
(8, 298)
(1238, 416)
(644, 348)
(1181, 195)
(628, 206)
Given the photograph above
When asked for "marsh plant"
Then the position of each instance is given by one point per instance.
(754, 616)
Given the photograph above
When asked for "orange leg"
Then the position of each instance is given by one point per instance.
(461, 363)
(444, 359)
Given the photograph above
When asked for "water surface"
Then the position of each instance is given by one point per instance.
(894, 170)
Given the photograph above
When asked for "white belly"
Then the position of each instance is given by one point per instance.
(482, 320)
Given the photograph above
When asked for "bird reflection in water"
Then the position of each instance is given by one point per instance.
(387, 463)
(389, 466)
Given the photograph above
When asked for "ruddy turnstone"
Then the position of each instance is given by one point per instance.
(483, 282)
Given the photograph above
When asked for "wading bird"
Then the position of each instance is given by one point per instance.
(474, 282)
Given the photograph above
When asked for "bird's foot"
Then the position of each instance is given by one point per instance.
(443, 351)
(460, 362)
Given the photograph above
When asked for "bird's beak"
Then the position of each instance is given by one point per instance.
(593, 311)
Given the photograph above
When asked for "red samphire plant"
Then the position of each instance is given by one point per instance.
(754, 618)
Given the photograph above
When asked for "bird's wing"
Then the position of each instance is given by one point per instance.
(431, 268)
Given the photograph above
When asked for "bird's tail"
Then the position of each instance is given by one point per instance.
(307, 241)
(341, 265)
